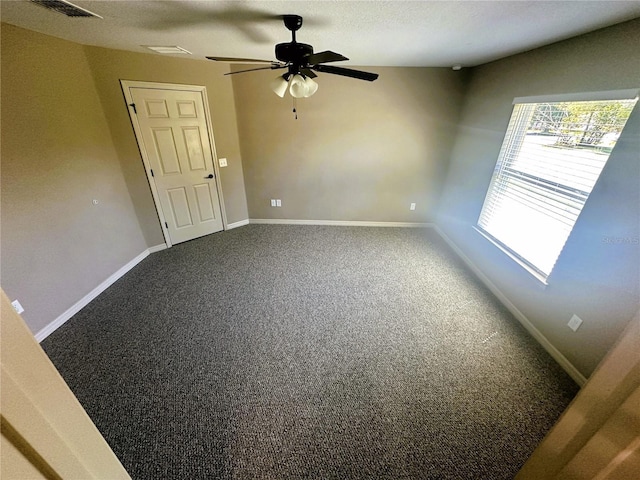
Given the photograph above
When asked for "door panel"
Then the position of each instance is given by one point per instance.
(156, 108)
(205, 202)
(193, 144)
(187, 109)
(166, 150)
(179, 206)
(176, 140)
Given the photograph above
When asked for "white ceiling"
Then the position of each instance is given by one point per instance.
(370, 33)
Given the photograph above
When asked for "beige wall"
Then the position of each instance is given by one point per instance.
(358, 151)
(594, 279)
(67, 139)
(57, 156)
(108, 67)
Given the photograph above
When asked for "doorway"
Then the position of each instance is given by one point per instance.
(173, 129)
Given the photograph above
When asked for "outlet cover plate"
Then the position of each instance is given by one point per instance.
(574, 323)
(17, 307)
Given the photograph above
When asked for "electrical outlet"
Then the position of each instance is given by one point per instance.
(273, 202)
(574, 323)
(278, 203)
(223, 162)
(17, 307)
(412, 206)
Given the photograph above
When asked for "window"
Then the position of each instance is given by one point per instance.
(551, 157)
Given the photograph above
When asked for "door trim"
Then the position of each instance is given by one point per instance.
(126, 86)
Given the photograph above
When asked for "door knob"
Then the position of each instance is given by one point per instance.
(209, 176)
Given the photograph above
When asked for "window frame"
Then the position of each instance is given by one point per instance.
(609, 95)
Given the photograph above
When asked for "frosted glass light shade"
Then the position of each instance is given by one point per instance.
(279, 85)
(298, 88)
(312, 87)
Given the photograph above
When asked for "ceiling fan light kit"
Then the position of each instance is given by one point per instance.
(301, 63)
(299, 85)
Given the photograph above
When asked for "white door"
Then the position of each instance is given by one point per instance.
(173, 132)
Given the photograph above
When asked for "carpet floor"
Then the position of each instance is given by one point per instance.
(293, 352)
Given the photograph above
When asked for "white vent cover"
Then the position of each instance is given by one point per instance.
(167, 49)
(65, 8)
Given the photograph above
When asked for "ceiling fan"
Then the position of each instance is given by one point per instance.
(301, 64)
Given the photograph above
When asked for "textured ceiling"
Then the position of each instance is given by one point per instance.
(370, 33)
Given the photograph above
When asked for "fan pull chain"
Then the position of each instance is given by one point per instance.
(295, 104)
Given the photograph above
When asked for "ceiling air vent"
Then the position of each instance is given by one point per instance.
(65, 8)
(167, 49)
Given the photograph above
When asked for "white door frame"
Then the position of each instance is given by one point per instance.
(126, 85)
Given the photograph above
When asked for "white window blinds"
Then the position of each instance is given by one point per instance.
(551, 158)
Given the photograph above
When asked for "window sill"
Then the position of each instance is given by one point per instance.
(540, 278)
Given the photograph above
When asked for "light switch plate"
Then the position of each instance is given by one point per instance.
(273, 202)
(412, 206)
(223, 162)
(574, 323)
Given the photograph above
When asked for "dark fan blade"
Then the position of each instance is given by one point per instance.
(308, 73)
(238, 60)
(272, 67)
(325, 57)
(346, 72)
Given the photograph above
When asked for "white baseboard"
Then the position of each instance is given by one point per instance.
(157, 248)
(341, 223)
(241, 223)
(526, 323)
(84, 301)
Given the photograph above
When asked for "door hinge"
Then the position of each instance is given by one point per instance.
(166, 224)
(151, 169)
(134, 108)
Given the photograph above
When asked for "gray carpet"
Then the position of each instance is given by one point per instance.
(291, 352)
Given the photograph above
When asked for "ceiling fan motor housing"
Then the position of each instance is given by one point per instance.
(299, 59)
(293, 52)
